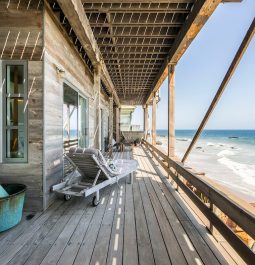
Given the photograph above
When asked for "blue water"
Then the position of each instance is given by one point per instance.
(243, 136)
(226, 156)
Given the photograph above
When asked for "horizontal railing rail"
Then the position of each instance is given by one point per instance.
(239, 211)
(70, 143)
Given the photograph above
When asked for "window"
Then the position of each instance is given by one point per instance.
(83, 122)
(75, 117)
(15, 111)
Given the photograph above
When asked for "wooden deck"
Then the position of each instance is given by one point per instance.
(144, 223)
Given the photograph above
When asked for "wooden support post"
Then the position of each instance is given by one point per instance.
(145, 121)
(245, 43)
(97, 90)
(117, 126)
(171, 116)
(154, 121)
(110, 120)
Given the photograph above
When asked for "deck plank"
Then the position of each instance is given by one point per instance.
(24, 253)
(15, 246)
(145, 223)
(130, 254)
(143, 239)
(203, 250)
(183, 210)
(117, 234)
(13, 234)
(72, 248)
(158, 245)
(85, 252)
(181, 236)
(179, 247)
(44, 247)
(100, 252)
(18, 229)
(56, 250)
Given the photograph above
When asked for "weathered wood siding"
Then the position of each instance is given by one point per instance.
(21, 37)
(104, 105)
(60, 53)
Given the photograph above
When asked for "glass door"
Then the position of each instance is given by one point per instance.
(75, 119)
(70, 114)
(83, 122)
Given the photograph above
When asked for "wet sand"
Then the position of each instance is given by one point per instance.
(217, 163)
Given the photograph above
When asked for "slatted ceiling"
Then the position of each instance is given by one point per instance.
(70, 33)
(134, 39)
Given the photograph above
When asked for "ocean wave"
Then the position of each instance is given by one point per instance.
(245, 171)
(183, 139)
(226, 152)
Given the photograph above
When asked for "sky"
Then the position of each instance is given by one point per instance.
(202, 68)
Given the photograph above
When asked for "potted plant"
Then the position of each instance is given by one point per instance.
(11, 204)
(137, 141)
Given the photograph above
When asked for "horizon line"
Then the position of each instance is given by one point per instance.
(240, 129)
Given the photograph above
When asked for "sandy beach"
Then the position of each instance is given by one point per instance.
(222, 162)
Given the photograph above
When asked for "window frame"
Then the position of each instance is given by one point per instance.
(6, 159)
(83, 95)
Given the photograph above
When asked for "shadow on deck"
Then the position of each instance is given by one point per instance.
(144, 223)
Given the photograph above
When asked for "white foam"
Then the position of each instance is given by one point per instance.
(245, 171)
(226, 152)
(210, 144)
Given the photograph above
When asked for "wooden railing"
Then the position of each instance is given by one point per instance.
(131, 136)
(240, 212)
(70, 143)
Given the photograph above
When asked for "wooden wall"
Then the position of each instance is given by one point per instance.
(29, 32)
(60, 53)
(21, 37)
(104, 105)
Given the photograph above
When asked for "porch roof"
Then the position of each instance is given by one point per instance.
(136, 40)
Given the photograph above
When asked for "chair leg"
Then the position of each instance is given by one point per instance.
(131, 178)
(96, 199)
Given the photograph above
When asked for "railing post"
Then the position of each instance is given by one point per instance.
(154, 122)
(110, 121)
(97, 90)
(239, 54)
(171, 116)
(211, 227)
(145, 121)
(117, 125)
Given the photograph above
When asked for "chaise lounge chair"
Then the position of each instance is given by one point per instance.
(90, 173)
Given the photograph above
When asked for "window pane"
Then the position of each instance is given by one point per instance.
(15, 143)
(15, 112)
(15, 79)
(70, 113)
(83, 116)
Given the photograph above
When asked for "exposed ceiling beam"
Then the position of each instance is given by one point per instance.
(139, 1)
(134, 59)
(136, 53)
(137, 24)
(74, 12)
(152, 36)
(134, 45)
(138, 10)
(200, 13)
(130, 64)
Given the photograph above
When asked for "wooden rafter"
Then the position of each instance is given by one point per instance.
(201, 11)
(243, 47)
(75, 14)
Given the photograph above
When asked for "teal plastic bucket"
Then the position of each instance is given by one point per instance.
(11, 206)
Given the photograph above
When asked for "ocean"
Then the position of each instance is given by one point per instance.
(226, 156)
